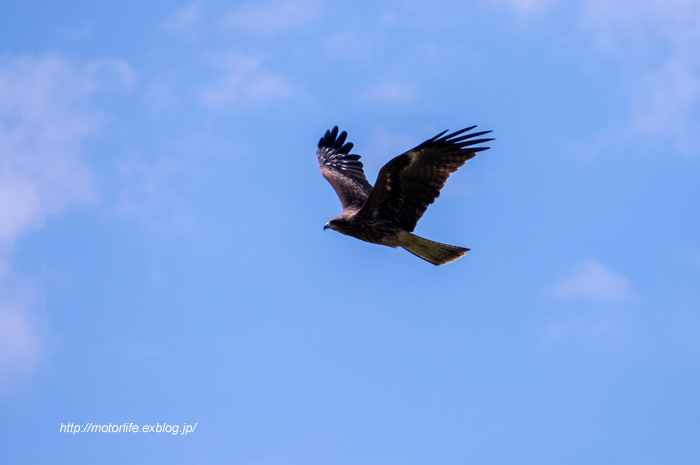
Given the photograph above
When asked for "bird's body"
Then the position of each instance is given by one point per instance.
(387, 213)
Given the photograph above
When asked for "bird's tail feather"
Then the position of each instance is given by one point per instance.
(434, 252)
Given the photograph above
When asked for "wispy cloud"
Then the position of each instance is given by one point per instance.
(242, 80)
(526, 7)
(384, 144)
(594, 282)
(42, 124)
(656, 42)
(627, 26)
(654, 46)
(20, 343)
(147, 194)
(666, 101)
(25, 339)
(186, 21)
(351, 46)
(390, 93)
(581, 330)
(272, 18)
(161, 95)
(44, 119)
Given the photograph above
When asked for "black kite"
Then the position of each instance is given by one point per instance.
(388, 213)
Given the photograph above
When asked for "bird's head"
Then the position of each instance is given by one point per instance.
(335, 224)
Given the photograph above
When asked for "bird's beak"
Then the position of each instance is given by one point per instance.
(326, 226)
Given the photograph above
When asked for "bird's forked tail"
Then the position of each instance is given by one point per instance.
(434, 252)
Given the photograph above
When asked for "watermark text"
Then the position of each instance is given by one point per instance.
(73, 428)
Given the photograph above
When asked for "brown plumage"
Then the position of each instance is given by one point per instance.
(387, 214)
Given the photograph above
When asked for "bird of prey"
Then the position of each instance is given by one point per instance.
(387, 213)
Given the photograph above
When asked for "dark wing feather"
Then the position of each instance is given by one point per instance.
(412, 181)
(342, 170)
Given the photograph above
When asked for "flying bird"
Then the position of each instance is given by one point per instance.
(387, 213)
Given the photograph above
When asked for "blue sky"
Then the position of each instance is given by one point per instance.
(162, 258)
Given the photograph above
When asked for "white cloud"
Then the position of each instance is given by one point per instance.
(589, 282)
(527, 7)
(351, 46)
(24, 339)
(585, 331)
(628, 25)
(272, 18)
(384, 145)
(390, 93)
(654, 44)
(109, 74)
(242, 81)
(186, 21)
(667, 101)
(42, 123)
(20, 343)
(44, 119)
(146, 196)
(593, 281)
(161, 95)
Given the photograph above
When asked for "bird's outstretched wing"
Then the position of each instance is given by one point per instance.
(342, 170)
(412, 181)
